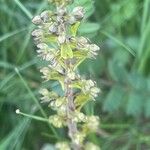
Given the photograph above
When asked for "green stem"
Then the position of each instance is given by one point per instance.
(70, 109)
(36, 102)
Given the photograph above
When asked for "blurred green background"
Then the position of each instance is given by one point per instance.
(122, 70)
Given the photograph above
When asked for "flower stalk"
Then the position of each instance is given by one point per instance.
(70, 109)
(59, 45)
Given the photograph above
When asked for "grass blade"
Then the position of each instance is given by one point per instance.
(18, 132)
(30, 92)
(145, 14)
(29, 15)
(119, 42)
(8, 35)
(35, 100)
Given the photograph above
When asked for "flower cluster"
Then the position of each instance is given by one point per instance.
(58, 44)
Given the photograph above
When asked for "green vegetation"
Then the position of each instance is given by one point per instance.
(122, 30)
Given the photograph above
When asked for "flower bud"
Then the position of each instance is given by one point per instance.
(72, 20)
(60, 2)
(59, 102)
(37, 33)
(90, 83)
(79, 137)
(61, 39)
(45, 71)
(94, 47)
(42, 46)
(71, 75)
(87, 84)
(91, 146)
(95, 91)
(92, 123)
(53, 28)
(38, 40)
(62, 146)
(78, 12)
(49, 57)
(62, 110)
(45, 16)
(61, 29)
(61, 11)
(81, 116)
(37, 20)
(57, 67)
(44, 91)
(52, 104)
(82, 40)
(56, 121)
(47, 96)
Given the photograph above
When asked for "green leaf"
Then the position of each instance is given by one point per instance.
(74, 28)
(81, 100)
(23, 8)
(135, 104)
(114, 99)
(79, 61)
(50, 39)
(137, 81)
(121, 56)
(81, 55)
(11, 34)
(148, 84)
(58, 77)
(117, 71)
(76, 84)
(89, 8)
(16, 134)
(66, 51)
(89, 28)
(117, 41)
